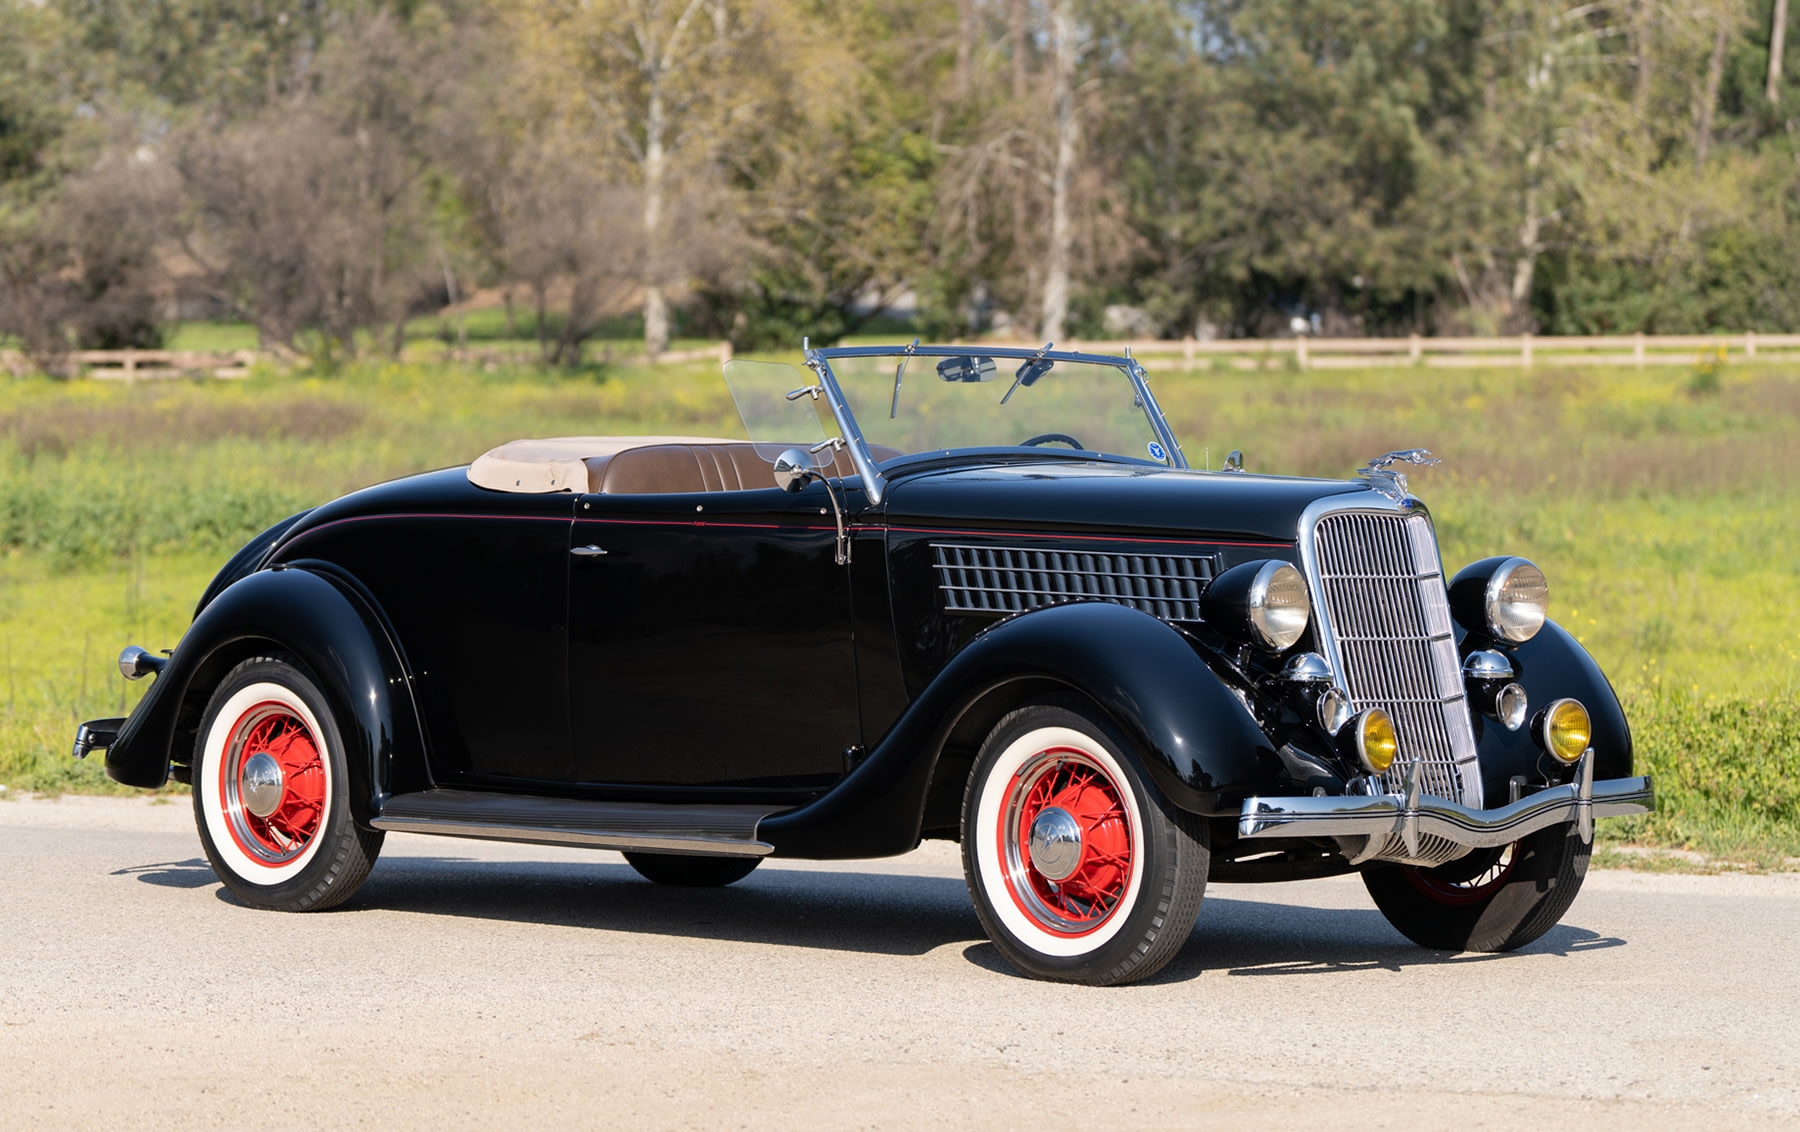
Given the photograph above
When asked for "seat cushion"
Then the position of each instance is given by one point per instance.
(559, 463)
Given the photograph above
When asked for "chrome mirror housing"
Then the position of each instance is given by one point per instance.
(793, 470)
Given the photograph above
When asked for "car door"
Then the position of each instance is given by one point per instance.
(710, 642)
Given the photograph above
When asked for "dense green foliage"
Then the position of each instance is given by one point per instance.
(1661, 508)
(325, 169)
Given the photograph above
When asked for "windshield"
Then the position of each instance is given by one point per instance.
(936, 401)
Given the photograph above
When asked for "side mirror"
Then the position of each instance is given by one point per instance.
(793, 470)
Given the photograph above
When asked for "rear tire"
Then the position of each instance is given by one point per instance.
(1496, 900)
(271, 797)
(690, 871)
(1080, 870)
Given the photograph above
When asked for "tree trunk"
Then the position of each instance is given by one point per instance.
(1525, 270)
(1019, 16)
(1640, 34)
(1715, 72)
(965, 43)
(1068, 135)
(1777, 44)
(656, 306)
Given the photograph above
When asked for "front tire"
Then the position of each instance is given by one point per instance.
(270, 796)
(1078, 868)
(1496, 900)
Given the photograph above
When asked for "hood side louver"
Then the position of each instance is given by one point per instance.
(1013, 579)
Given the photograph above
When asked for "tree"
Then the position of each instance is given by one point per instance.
(660, 81)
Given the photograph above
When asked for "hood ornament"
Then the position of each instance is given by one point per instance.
(1387, 479)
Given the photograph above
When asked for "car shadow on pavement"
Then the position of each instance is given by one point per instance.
(1244, 937)
(192, 873)
(880, 913)
(1249, 937)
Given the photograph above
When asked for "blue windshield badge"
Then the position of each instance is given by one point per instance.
(1157, 453)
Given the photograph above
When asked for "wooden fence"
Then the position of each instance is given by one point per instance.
(1527, 350)
(1637, 350)
(150, 365)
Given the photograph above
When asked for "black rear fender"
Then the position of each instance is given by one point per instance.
(331, 630)
(1183, 727)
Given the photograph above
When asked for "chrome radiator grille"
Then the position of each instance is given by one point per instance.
(1010, 579)
(1381, 589)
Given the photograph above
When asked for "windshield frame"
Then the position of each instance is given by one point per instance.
(875, 484)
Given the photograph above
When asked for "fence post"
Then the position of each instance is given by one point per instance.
(1637, 349)
(1525, 350)
(1750, 345)
(130, 367)
(1413, 348)
(1300, 351)
(725, 351)
(1187, 352)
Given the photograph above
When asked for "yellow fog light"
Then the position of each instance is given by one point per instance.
(1565, 730)
(1376, 743)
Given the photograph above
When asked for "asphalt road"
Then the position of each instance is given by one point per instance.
(472, 985)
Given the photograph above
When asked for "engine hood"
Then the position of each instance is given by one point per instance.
(1099, 498)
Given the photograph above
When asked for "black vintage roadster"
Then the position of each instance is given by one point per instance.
(938, 593)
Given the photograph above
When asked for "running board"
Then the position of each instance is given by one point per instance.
(648, 826)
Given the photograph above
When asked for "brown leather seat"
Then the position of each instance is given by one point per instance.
(663, 469)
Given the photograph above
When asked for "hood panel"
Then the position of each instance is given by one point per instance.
(1098, 498)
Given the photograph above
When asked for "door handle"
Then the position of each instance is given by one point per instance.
(589, 551)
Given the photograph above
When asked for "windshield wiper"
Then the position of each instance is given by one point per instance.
(894, 407)
(1035, 367)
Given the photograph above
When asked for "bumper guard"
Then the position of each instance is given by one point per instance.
(1411, 814)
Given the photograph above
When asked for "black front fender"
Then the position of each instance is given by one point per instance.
(1184, 728)
(323, 623)
(1552, 665)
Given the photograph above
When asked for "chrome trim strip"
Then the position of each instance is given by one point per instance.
(1377, 815)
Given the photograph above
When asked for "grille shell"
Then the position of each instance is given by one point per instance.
(1013, 579)
(1386, 628)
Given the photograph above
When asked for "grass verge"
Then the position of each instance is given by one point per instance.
(1660, 509)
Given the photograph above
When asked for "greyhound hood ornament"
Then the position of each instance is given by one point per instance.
(1390, 481)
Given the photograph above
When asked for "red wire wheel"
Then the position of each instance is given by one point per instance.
(1066, 842)
(1469, 880)
(272, 784)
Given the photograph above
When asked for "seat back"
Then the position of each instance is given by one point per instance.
(662, 469)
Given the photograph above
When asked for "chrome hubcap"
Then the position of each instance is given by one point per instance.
(262, 786)
(1055, 843)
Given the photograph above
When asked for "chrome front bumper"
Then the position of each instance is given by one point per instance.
(1411, 814)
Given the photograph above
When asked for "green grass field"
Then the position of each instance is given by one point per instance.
(1660, 504)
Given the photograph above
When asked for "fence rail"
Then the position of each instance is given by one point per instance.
(1639, 350)
(152, 365)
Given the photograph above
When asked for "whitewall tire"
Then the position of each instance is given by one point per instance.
(270, 801)
(1079, 869)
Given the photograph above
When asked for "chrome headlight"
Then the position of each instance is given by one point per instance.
(1259, 603)
(1506, 598)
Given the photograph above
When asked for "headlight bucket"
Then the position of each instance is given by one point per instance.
(1564, 730)
(1504, 598)
(1262, 603)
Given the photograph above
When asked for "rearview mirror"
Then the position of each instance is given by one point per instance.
(964, 368)
(1032, 370)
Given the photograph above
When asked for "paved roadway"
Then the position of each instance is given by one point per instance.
(483, 986)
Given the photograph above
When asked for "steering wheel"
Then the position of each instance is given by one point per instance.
(1047, 437)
